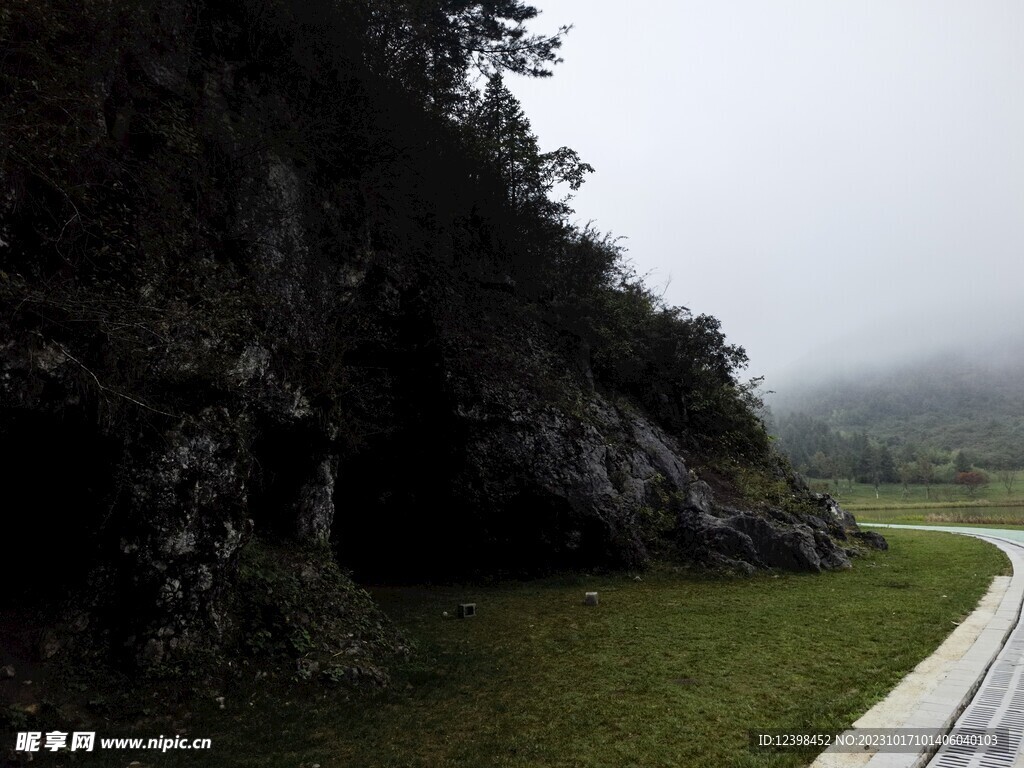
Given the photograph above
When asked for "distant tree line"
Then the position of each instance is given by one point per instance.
(819, 451)
(971, 400)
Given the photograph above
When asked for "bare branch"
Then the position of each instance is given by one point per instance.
(103, 387)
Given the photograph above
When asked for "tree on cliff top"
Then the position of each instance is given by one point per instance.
(529, 175)
(432, 47)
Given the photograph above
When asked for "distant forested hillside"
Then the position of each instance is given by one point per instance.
(956, 410)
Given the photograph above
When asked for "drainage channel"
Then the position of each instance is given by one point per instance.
(998, 704)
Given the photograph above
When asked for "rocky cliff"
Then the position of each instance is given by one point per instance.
(257, 295)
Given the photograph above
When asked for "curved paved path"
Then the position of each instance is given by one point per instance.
(974, 679)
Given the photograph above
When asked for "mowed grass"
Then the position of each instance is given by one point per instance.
(671, 670)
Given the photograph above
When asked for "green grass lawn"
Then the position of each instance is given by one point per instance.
(668, 671)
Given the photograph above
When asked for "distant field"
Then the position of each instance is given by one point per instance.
(942, 505)
(1007, 517)
(862, 496)
(669, 670)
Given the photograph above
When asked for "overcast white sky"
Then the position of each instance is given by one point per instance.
(826, 177)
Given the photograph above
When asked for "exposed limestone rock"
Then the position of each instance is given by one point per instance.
(592, 488)
(745, 540)
(576, 484)
(872, 539)
(315, 512)
(699, 497)
(189, 498)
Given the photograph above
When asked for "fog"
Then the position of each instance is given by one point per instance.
(839, 182)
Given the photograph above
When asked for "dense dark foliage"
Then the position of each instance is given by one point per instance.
(299, 272)
(128, 194)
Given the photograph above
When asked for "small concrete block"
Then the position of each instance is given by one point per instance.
(467, 610)
(590, 598)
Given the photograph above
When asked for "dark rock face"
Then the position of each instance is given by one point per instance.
(252, 340)
(699, 497)
(315, 508)
(531, 486)
(580, 484)
(188, 521)
(745, 541)
(793, 548)
(872, 539)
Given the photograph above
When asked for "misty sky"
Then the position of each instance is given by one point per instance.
(827, 178)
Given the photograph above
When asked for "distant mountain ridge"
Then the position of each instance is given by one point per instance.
(969, 400)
